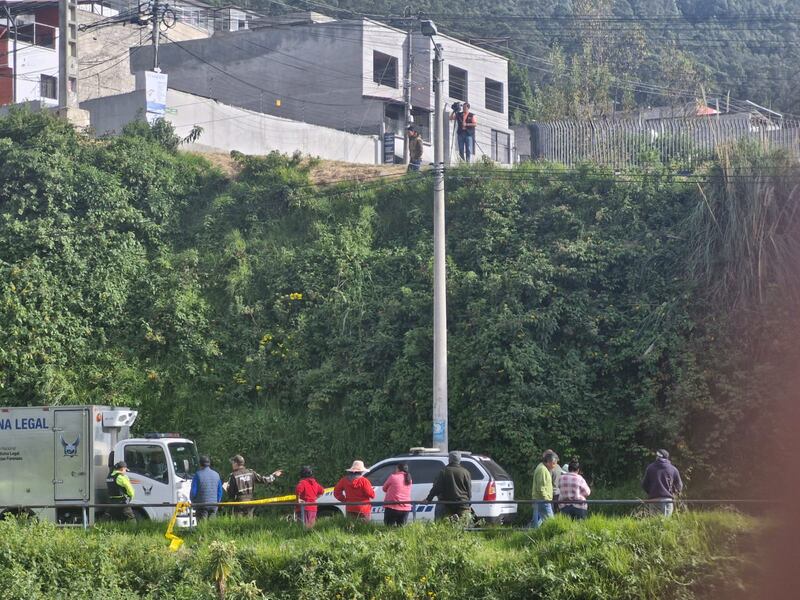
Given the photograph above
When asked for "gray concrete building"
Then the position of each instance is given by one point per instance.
(343, 74)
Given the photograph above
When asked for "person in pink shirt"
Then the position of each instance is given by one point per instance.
(574, 488)
(398, 493)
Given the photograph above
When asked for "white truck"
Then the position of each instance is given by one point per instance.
(61, 455)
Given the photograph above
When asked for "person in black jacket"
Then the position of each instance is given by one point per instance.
(414, 148)
(453, 484)
(242, 482)
(662, 482)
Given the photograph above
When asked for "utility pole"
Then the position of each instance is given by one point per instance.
(156, 33)
(12, 22)
(440, 425)
(68, 55)
(407, 95)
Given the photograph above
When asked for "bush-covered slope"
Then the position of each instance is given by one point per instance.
(293, 324)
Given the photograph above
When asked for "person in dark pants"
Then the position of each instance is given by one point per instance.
(414, 149)
(466, 122)
(662, 482)
(453, 485)
(398, 492)
(206, 488)
(573, 487)
(242, 482)
(120, 491)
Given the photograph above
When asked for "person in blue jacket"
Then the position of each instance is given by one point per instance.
(206, 488)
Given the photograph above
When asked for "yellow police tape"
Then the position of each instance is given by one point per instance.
(175, 542)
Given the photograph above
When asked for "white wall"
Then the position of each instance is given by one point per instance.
(32, 63)
(227, 128)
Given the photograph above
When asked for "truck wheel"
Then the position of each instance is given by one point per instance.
(20, 513)
(140, 515)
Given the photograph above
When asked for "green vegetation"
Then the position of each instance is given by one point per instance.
(293, 324)
(690, 556)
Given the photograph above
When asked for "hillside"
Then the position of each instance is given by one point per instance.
(590, 57)
(292, 323)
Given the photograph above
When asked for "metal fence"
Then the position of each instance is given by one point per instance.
(416, 505)
(623, 143)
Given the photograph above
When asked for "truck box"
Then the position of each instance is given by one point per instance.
(60, 456)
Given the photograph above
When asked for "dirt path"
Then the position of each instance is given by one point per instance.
(324, 173)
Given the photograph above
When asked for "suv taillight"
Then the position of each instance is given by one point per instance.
(491, 492)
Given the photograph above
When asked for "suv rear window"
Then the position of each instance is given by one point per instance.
(474, 470)
(496, 471)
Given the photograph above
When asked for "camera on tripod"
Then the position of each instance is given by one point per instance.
(456, 107)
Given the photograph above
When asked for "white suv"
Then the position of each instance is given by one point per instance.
(489, 482)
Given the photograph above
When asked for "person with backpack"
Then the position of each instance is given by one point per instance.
(308, 490)
(398, 492)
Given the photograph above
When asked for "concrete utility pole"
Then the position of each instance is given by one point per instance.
(439, 273)
(407, 96)
(12, 24)
(156, 33)
(68, 54)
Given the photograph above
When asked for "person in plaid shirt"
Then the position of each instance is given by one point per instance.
(572, 486)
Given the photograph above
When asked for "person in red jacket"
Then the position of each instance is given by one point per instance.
(308, 490)
(354, 487)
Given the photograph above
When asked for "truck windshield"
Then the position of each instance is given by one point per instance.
(184, 458)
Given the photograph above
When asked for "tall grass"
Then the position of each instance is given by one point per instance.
(745, 235)
(682, 558)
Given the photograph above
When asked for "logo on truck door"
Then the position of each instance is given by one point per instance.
(70, 449)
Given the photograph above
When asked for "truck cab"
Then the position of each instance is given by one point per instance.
(160, 468)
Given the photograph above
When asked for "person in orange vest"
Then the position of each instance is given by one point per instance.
(354, 487)
(466, 122)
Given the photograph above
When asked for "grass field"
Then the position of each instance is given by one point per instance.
(693, 555)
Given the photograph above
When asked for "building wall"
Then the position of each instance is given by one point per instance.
(104, 54)
(322, 73)
(32, 63)
(313, 72)
(479, 64)
(227, 128)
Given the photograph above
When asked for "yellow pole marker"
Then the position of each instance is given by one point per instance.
(175, 542)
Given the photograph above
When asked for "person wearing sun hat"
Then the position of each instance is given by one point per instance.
(354, 487)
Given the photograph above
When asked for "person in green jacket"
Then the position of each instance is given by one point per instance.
(453, 485)
(120, 491)
(542, 491)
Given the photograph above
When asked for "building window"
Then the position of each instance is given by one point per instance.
(494, 95)
(48, 87)
(422, 121)
(458, 83)
(384, 69)
(394, 119)
(501, 147)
